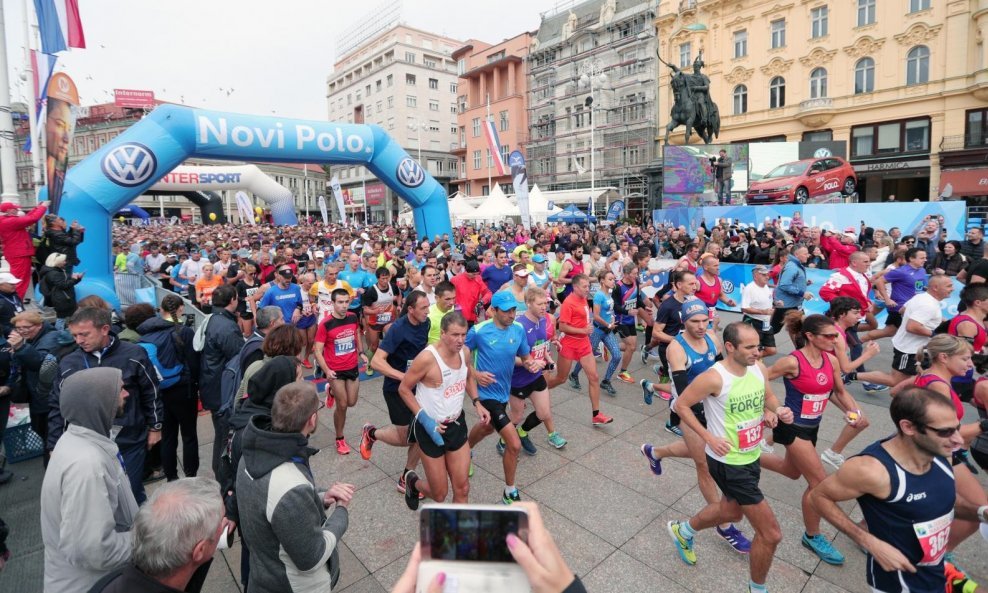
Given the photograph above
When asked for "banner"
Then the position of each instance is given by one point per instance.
(322, 209)
(519, 179)
(63, 100)
(133, 98)
(907, 216)
(616, 210)
(244, 209)
(338, 194)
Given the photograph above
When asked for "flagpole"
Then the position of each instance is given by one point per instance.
(305, 184)
(490, 186)
(32, 103)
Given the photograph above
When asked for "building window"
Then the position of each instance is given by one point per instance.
(476, 160)
(434, 84)
(391, 102)
(976, 128)
(476, 127)
(485, 190)
(891, 137)
(410, 57)
(504, 121)
(918, 5)
(504, 153)
(740, 44)
(433, 105)
(740, 99)
(818, 83)
(380, 107)
(918, 65)
(410, 79)
(818, 21)
(778, 33)
(377, 86)
(684, 55)
(452, 87)
(391, 79)
(917, 135)
(864, 76)
(411, 101)
(490, 159)
(866, 12)
(429, 63)
(818, 136)
(777, 93)
(461, 67)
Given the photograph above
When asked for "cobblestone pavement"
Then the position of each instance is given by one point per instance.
(605, 509)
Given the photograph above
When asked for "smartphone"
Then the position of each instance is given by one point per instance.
(467, 542)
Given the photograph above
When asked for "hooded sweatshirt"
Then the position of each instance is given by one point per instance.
(292, 542)
(87, 507)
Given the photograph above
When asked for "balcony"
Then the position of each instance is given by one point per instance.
(815, 113)
(455, 147)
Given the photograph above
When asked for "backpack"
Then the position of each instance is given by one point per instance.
(233, 373)
(160, 346)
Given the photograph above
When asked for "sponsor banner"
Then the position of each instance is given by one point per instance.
(133, 98)
(338, 194)
(519, 180)
(616, 210)
(63, 101)
(325, 214)
(374, 194)
(908, 216)
(244, 209)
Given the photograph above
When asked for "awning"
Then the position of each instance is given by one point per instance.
(964, 182)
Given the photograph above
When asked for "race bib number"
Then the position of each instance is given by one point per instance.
(813, 405)
(932, 536)
(384, 318)
(343, 346)
(749, 434)
(540, 350)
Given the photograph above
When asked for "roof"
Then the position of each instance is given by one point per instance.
(586, 12)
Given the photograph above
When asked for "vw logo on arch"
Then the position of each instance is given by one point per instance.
(129, 165)
(410, 173)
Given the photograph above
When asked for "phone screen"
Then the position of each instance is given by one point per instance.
(471, 534)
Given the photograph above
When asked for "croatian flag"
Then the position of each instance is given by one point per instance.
(60, 25)
(42, 67)
(494, 144)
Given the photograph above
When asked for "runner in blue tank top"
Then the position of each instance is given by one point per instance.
(906, 490)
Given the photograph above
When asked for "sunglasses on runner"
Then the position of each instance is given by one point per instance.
(943, 433)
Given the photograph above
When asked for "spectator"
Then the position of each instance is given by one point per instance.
(175, 536)
(790, 292)
(134, 316)
(973, 248)
(57, 285)
(293, 543)
(10, 302)
(64, 240)
(32, 340)
(17, 244)
(87, 504)
(839, 250)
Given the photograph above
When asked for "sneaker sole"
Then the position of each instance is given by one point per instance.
(603, 423)
(671, 431)
(675, 542)
(829, 561)
(556, 446)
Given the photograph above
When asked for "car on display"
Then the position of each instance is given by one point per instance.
(800, 182)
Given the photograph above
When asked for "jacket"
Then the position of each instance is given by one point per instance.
(469, 293)
(838, 254)
(792, 284)
(65, 241)
(87, 508)
(60, 286)
(223, 341)
(29, 358)
(14, 237)
(293, 545)
(188, 357)
(10, 305)
(143, 409)
(843, 283)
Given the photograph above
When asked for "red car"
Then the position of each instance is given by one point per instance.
(800, 181)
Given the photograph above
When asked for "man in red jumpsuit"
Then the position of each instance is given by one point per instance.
(16, 241)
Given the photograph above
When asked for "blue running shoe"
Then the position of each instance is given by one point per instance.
(574, 381)
(500, 447)
(653, 464)
(733, 536)
(874, 388)
(674, 430)
(510, 498)
(646, 391)
(822, 548)
(526, 443)
(683, 545)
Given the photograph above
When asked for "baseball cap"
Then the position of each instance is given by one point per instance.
(538, 258)
(319, 255)
(692, 308)
(504, 301)
(471, 266)
(457, 257)
(760, 270)
(171, 255)
(8, 278)
(523, 272)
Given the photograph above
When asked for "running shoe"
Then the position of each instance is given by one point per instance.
(733, 536)
(834, 460)
(766, 447)
(957, 580)
(646, 391)
(600, 419)
(306, 364)
(515, 496)
(330, 400)
(674, 429)
(626, 377)
(664, 378)
(556, 440)
(874, 387)
(657, 369)
(412, 496)
(950, 558)
(599, 352)
(644, 352)
(683, 545)
(574, 381)
(526, 443)
(653, 464)
(822, 548)
(606, 386)
(341, 447)
(366, 442)
(639, 328)
(500, 447)
(401, 484)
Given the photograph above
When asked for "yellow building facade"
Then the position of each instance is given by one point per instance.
(903, 82)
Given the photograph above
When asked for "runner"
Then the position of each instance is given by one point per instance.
(380, 302)
(439, 378)
(571, 268)
(604, 324)
(444, 305)
(525, 384)
(970, 325)
(574, 323)
(906, 281)
(519, 282)
(691, 353)
(710, 290)
(321, 293)
(757, 309)
(627, 303)
(408, 336)
(905, 488)
(341, 330)
(736, 401)
(247, 285)
(811, 376)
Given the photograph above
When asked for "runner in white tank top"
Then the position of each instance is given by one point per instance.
(444, 403)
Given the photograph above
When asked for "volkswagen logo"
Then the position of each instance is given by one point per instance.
(727, 286)
(129, 165)
(410, 173)
(822, 153)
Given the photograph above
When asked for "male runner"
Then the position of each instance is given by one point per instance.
(495, 344)
(321, 293)
(627, 303)
(407, 337)
(571, 268)
(905, 280)
(445, 302)
(904, 485)
(439, 378)
(736, 402)
(710, 289)
(574, 322)
(341, 330)
(380, 302)
(690, 354)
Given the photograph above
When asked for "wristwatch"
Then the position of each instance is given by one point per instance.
(155, 427)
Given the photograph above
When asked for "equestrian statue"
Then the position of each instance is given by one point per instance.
(692, 106)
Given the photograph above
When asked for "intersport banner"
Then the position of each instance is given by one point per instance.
(834, 217)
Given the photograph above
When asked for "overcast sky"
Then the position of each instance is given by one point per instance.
(273, 55)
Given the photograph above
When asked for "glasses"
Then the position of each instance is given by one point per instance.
(832, 336)
(24, 328)
(943, 433)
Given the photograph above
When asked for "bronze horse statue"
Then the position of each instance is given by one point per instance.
(685, 112)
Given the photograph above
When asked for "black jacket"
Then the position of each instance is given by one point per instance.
(29, 358)
(223, 341)
(182, 337)
(65, 242)
(143, 408)
(10, 305)
(59, 288)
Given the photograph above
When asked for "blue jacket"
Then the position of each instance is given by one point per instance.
(792, 284)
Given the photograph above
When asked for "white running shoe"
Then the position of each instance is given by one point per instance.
(765, 447)
(835, 460)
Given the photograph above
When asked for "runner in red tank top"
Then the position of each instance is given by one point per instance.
(711, 288)
(970, 325)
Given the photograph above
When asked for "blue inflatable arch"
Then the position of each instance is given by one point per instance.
(109, 179)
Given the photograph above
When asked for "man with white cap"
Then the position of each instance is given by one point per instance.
(17, 245)
(839, 250)
(10, 302)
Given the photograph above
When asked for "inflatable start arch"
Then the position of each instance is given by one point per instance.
(187, 180)
(113, 176)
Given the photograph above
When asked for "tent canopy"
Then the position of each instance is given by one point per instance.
(570, 215)
(496, 206)
(133, 210)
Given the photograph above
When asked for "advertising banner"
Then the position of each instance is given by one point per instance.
(322, 210)
(616, 210)
(133, 99)
(338, 194)
(63, 101)
(519, 179)
(244, 209)
(375, 194)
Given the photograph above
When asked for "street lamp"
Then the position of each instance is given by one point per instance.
(418, 127)
(592, 76)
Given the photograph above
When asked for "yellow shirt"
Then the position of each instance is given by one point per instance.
(435, 322)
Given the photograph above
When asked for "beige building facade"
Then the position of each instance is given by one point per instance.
(904, 83)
